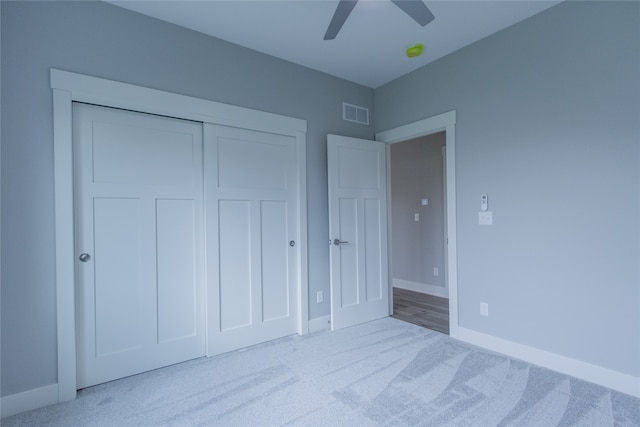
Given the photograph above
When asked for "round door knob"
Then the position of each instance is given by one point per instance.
(84, 257)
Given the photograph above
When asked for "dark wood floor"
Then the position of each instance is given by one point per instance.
(421, 309)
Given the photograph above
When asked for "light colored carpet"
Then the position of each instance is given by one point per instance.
(382, 373)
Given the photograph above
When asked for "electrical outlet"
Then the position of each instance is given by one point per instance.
(435, 271)
(319, 297)
(484, 309)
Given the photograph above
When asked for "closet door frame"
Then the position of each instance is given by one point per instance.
(70, 87)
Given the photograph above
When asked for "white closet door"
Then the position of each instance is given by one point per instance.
(139, 242)
(251, 214)
(358, 230)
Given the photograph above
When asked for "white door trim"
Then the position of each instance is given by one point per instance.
(69, 87)
(442, 122)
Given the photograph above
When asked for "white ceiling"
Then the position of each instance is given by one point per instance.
(370, 48)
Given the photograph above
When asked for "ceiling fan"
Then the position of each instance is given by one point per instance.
(416, 9)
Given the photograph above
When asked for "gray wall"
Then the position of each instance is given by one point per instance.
(548, 126)
(105, 41)
(416, 173)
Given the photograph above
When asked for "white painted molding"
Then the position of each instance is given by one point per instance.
(29, 400)
(303, 256)
(452, 228)
(417, 129)
(320, 324)
(423, 288)
(576, 368)
(109, 93)
(64, 226)
(389, 229)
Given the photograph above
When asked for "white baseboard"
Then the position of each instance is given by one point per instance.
(424, 288)
(28, 400)
(576, 368)
(320, 324)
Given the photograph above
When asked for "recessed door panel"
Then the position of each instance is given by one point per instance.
(358, 169)
(348, 251)
(176, 266)
(264, 162)
(120, 148)
(373, 245)
(275, 260)
(118, 286)
(235, 264)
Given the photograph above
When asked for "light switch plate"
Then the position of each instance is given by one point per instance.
(485, 218)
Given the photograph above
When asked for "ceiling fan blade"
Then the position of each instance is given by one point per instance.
(340, 15)
(416, 9)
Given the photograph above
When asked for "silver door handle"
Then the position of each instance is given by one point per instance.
(339, 242)
(84, 257)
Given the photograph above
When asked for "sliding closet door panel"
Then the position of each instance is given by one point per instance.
(139, 242)
(250, 198)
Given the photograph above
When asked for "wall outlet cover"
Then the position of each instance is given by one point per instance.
(484, 309)
(485, 218)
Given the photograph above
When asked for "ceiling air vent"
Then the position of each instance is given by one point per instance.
(354, 113)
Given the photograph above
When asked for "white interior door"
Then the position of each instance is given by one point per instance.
(251, 190)
(139, 242)
(357, 230)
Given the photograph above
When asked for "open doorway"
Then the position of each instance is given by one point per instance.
(442, 122)
(418, 229)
